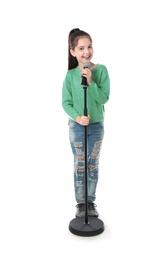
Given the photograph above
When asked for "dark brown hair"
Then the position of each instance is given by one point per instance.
(73, 38)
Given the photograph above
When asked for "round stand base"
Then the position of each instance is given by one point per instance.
(79, 227)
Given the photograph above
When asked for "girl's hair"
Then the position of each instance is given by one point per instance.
(73, 38)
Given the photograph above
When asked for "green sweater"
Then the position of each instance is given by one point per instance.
(97, 93)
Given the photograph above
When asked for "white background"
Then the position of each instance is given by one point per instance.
(36, 172)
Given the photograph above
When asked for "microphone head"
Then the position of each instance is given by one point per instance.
(86, 65)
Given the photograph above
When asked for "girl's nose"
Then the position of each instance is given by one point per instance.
(87, 51)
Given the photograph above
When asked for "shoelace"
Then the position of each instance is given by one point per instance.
(92, 205)
(81, 206)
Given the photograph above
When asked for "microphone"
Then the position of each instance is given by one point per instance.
(84, 79)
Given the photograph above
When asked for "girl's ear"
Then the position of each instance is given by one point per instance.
(72, 52)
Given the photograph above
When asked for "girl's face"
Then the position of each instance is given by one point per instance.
(83, 51)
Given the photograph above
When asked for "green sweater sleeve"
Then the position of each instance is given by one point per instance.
(67, 98)
(100, 91)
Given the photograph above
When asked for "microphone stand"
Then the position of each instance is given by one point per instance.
(86, 226)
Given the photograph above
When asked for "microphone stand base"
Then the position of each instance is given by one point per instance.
(79, 227)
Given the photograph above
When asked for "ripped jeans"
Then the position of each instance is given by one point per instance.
(95, 134)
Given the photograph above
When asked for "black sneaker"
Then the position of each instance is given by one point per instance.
(80, 212)
(92, 212)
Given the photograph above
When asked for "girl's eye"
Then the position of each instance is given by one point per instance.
(82, 48)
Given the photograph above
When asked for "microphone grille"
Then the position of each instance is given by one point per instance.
(86, 65)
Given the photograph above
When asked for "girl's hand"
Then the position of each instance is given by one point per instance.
(88, 74)
(83, 120)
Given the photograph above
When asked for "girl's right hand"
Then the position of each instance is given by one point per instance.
(83, 120)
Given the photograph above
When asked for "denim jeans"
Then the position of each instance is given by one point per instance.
(95, 134)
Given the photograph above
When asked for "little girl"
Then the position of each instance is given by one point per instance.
(80, 52)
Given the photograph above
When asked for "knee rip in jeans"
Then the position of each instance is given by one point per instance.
(80, 156)
(79, 159)
(93, 167)
(81, 169)
(78, 144)
(79, 183)
(96, 149)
